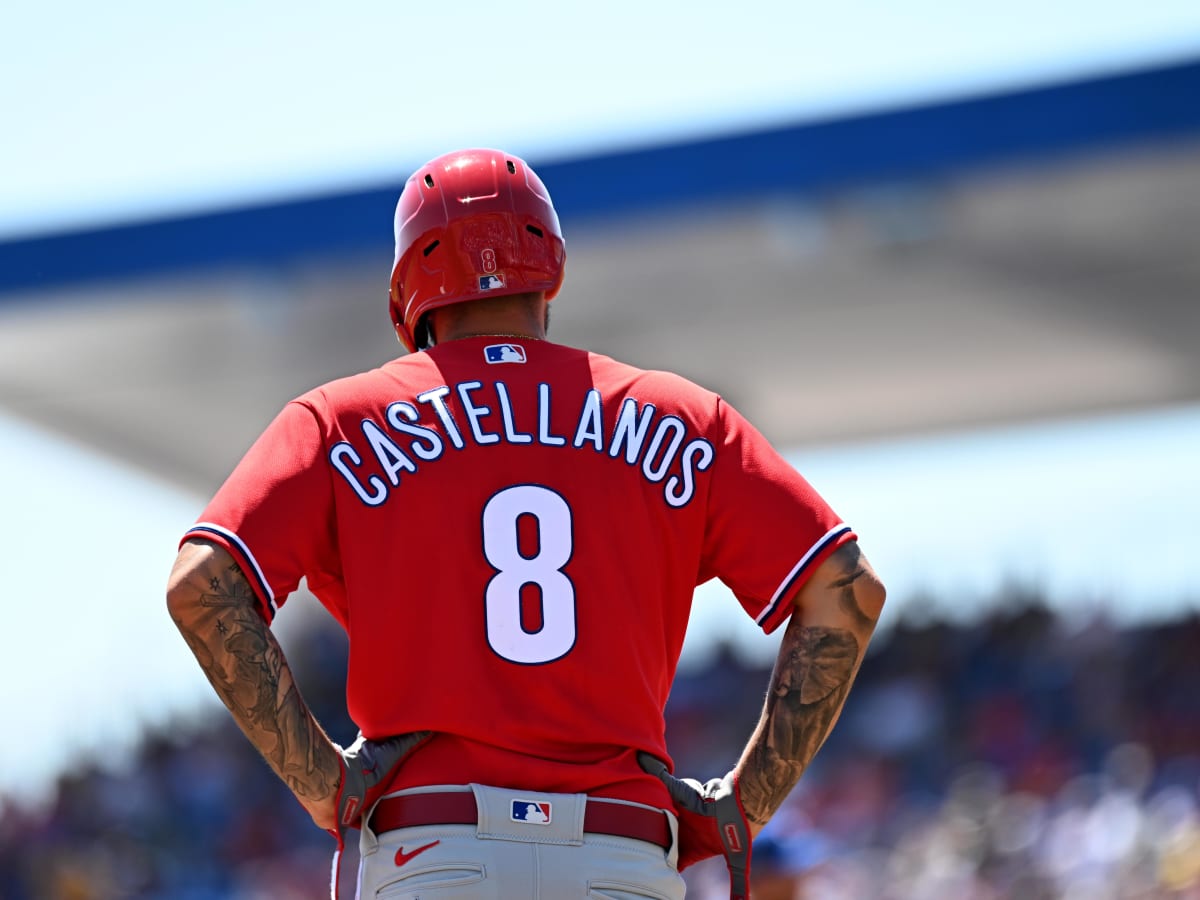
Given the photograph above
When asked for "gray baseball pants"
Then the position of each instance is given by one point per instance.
(523, 844)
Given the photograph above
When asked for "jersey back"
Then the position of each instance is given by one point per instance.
(511, 531)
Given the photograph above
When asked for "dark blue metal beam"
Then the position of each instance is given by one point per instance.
(1142, 107)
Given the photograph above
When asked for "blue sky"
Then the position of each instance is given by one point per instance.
(130, 109)
(120, 109)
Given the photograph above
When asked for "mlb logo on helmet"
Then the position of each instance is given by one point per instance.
(533, 811)
(490, 282)
(504, 353)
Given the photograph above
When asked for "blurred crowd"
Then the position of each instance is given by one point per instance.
(1021, 756)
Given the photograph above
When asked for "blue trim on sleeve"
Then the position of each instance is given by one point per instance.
(800, 572)
(259, 581)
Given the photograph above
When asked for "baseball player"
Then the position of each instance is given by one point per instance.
(510, 530)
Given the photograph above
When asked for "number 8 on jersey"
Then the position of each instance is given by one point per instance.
(501, 547)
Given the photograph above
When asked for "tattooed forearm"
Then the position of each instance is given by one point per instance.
(216, 611)
(808, 687)
(833, 620)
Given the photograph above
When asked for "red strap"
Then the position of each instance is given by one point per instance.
(458, 808)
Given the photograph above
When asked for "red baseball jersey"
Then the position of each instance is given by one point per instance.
(511, 531)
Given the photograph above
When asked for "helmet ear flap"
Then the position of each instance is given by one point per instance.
(403, 335)
(552, 292)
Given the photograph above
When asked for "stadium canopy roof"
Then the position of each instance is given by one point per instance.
(986, 259)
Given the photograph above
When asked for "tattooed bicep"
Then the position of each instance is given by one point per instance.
(212, 577)
(845, 586)
(228, 586)
(846, 565)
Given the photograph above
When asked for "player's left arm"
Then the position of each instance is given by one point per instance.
(216, 610)
(835, 615)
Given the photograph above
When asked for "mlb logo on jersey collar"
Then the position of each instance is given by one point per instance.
(535, 812)
(504, 353)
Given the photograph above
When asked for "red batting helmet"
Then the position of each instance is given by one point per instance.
(469, 225)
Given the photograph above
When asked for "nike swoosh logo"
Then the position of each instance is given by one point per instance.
(402, 857)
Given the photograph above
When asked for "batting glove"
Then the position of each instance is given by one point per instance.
(711, 822)
(367, 767)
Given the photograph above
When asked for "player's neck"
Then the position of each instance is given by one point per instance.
(457, 334)
(491, 320)
(504, 334)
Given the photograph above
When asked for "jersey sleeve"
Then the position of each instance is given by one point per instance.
(768, 529)
(274, 514)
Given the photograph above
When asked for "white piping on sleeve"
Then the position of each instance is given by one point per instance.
(245, 551)
(782, 591)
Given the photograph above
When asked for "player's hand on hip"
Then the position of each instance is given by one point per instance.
(367, 769)
(711, 821)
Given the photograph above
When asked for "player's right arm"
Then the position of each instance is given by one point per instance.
(216, 611)
(834, 617)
